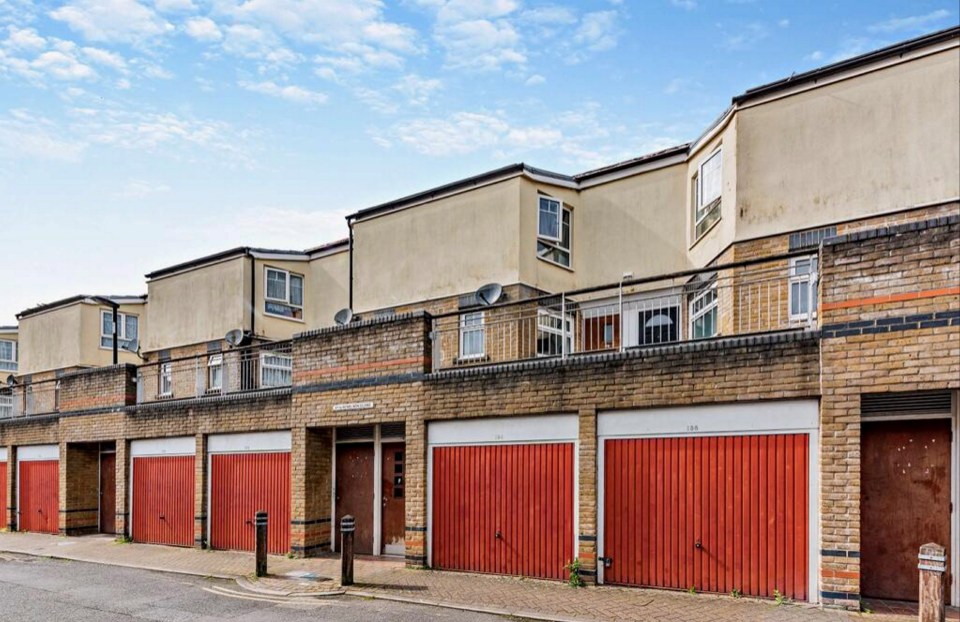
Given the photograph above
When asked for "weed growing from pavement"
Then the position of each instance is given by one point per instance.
(574, 580)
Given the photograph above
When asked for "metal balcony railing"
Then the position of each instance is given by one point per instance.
(35, 398)
(238, 370)
(757, 296)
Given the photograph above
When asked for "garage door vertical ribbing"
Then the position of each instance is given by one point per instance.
(163, 499)
(242, 485)
(524, 493)
(3, 494)
(743, 498)
(40, 496)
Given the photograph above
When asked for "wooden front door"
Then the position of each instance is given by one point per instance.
(393, 483)
(904, 502)
(355, 493)
(108, 493)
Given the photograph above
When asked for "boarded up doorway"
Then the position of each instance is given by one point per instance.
(354, 494)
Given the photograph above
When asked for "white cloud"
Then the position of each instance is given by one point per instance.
(274, 226)
(481, 44)
(417, 90)
(140, 189)
(105, 58)
(534, 80)
(202, 29)
(550, 15)
(125, 21)
(686, 5)
(745, 38)
(815, 55)
(533, 137)
(24, 39)
(259, 44)
(175, 6)
(913, 23)
(62, 66)
(463, 132)
(291, 93)
(784, 23)
(23, 135)
(598, 31)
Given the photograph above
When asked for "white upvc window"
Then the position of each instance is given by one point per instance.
(554, 335)
(705, 312)
(8, 355)
(708, 187)
(6, 406)
(276, 370)
(128, 330)
(215, 373)
(472, 335)
(803, 288)
(165, 380)
(554, 231)
(284, 293)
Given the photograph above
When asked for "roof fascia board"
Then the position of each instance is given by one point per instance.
(280, 256)
(717, 128)
(327, 252)
(239, 255)
(644, 167)
(553, 181)
(848, 74)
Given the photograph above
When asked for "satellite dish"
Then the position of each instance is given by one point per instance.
(11, 381)
(343, 316)
(235, 337)
(490, 293)
(130, 346)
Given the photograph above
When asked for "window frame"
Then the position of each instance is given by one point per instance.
(121, 329)
(565, 219)
(10, 364)
(803, 279)
(6, 405)
(704, 210)
(558, 332)
(464, 329)
(165, 377)
(284, 369)
(541, 199)
(708, 288)
(214, 361)
(287, 300)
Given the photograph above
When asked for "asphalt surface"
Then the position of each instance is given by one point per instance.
(48, 590)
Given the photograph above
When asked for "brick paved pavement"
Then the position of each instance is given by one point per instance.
(389, 579)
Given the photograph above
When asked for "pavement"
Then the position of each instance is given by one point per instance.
(382, 579)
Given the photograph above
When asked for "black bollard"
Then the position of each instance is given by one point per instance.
(347, 527)
(260, 523)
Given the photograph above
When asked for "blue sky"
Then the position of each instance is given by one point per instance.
(138, 133)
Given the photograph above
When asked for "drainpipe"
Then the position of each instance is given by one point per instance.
(253, 293)
(350, 285)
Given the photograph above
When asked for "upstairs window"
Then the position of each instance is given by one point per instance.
(165, 380)
(554, 336)
(8, 355)
(276, 370)
(554, 231)
(472, 336)
(215, 373)
(707, 189)
(127, 331)
(803, 288)
(284, 294)
(6, 405)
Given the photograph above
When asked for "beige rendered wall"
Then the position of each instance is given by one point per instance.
(91, 353)
(534, 271)
(448, 246)
(50, 340)
(636, 224)
(868, 145)
(327, 286)
(197, 305)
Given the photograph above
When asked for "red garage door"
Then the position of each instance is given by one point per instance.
(241, 485)
(39, 495)
(504, 509)
(718, 513)
(163, 499)
(3, 494)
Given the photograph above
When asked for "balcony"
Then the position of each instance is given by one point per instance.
(238, 370)
(736, 299)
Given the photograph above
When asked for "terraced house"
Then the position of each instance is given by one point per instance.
(733, 364)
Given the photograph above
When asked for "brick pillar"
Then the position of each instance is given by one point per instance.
(79, 489)
(415, 491)
(311, 477)
(839, 491)
(123, 488)
(200, 494)
(9, 494)
(587, 464)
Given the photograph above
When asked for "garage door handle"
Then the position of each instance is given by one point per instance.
(499, 535)
(162, 517)
(248, 522)
(698, 544)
